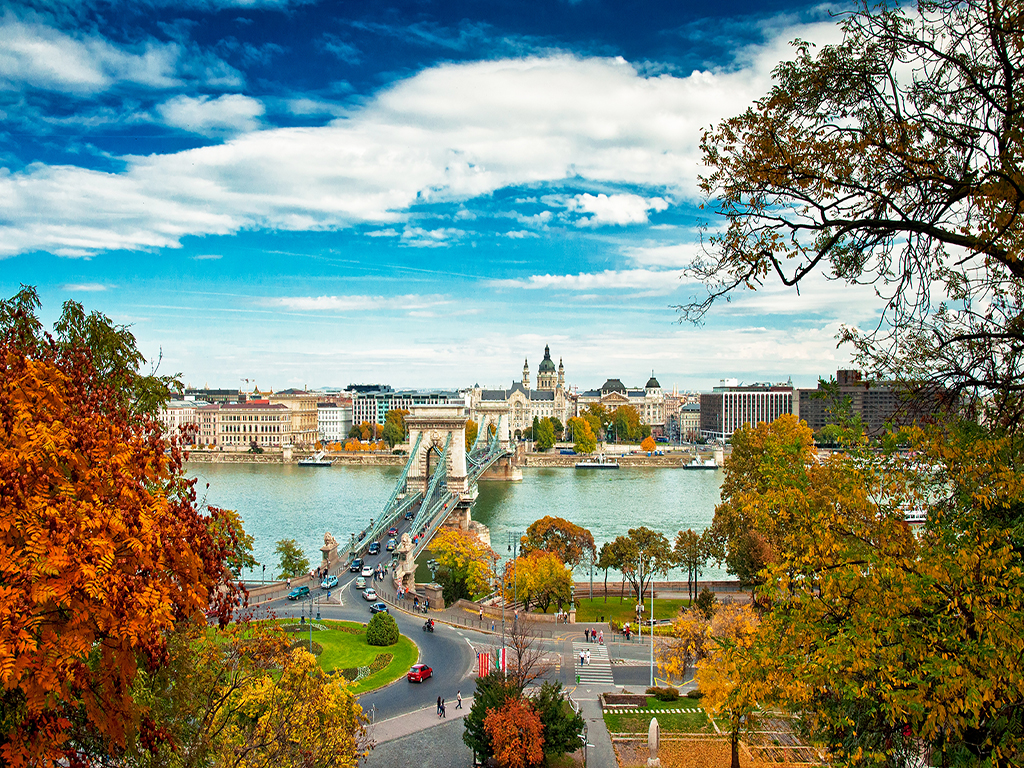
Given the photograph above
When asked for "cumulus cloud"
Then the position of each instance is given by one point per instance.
(448, 133)
(230, 113)
(84, 287)
(614, 209)
(610, 279)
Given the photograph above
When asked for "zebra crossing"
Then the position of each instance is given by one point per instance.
(599, 670)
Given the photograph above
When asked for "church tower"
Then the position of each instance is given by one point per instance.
(526, 374)
(546, 372)
(561, 374)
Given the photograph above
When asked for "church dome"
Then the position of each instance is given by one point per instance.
(652, 383)
(546, 365)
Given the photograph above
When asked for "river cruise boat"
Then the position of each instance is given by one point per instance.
(318, 459)
(699, 463)
(601, 462)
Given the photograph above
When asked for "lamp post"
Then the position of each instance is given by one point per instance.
(264, 573)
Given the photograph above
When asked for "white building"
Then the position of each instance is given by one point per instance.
(177, 414)
(729, 406)
(549, 399)
(333, 422)
(239, 426)
(649, 402)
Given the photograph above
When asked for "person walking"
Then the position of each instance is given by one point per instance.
(600, 637)
(458, 699)
(586, 634)
(582, 657)
(588, 657)
(438, 706)
(443, 713)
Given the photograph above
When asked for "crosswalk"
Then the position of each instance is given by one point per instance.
(599, 670)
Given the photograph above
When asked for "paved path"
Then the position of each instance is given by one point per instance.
(420, 720)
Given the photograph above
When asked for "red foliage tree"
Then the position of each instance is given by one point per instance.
(517, 734)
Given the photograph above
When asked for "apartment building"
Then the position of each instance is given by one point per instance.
(729, 406)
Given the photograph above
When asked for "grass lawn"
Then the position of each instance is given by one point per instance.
(640, 720)
(593, 610)
(347, 649)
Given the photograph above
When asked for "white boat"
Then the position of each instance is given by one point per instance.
(318, 459)
(699, 463)
(601, 462)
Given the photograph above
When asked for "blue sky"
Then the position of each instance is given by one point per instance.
(419, 193)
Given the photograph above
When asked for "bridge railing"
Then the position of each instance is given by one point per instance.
(395, 507)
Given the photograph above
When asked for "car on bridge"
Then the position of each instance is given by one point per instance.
(360, 583)
(329, 583)
(391, 545)
(419, 673)
(408, 515)
(356, 565)
(374, 548)
(379, 608)
(298, 593)
(392, 531)
(369, 594)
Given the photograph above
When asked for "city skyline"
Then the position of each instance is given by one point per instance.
(421, 194)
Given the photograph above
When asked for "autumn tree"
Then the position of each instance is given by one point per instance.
(583, 435)
(648, 444)
(463, 565)
(292, 560)
(689, 644)
(766, 471)
(394, 430)
(517, 734)
(492, 693)
(626, 421)
(472, 430)
(104, 553)
(607, 559)
(547, 580)
(569, 542)
(691, 552)
(301, 718)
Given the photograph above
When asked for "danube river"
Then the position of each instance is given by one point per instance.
(279, 501)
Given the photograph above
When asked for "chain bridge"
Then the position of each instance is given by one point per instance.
(438, 484)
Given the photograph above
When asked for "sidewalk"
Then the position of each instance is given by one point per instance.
(420, 720)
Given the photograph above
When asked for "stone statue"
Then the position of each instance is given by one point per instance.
(405, 570)
(653, 740)
(329, 540)
(329, 550)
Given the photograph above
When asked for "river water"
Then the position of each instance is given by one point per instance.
(278, 501)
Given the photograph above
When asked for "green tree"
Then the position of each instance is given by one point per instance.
(292, 561)
(394, 429)
(642, 555)
(562, 726)
(544, 435)
(691, 552)
(462, 565)
(557, 426)
(566, 540)
(607, 560)
(382, 630)
(226, 528)
(626, 421)
(492, 692)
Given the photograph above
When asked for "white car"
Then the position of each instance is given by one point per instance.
(369, 594)
(367, 572)
(360, 583)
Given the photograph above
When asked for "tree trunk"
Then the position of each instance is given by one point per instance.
(735, 745)
(606, 585)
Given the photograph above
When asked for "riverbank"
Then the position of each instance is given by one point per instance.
(368, 459)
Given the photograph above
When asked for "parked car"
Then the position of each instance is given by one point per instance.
(379, 608)
(329, 583)
(408, 515)
(369, 594)
(567, 452)
(360, 583)
(298, 592)
(356, 565)
(419, 673)
(392, 531)
(374, 548)
(367, 571)
(391, 545)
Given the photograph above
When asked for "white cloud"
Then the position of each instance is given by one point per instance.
(645, 279)
(449, 133)
(84, 287)
(230, 113)
(355, 303)
(615, 209)
(207, 257)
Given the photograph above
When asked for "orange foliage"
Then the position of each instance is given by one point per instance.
(516, 733)
(649, 444)
(102, 553)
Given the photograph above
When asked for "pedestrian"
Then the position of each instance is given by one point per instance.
(458, 699)
(438, 706)
(481, 618)
(582, 657)
(600, 637)
(588, 657)
(492, 626)
(444, 712)
(289, 582)
(586, 634)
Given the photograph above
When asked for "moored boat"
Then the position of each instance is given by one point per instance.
(318, 459)
(699, 463)
(602, 462)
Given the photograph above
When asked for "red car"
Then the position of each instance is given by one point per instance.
(419, 673)
(392, 531)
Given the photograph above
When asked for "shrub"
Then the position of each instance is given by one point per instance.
(696, 693)
(316, 648)
(664, 694)
(705, 603)
(382, 630)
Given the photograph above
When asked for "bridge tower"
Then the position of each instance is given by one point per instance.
(498, 413)
(436, 422)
